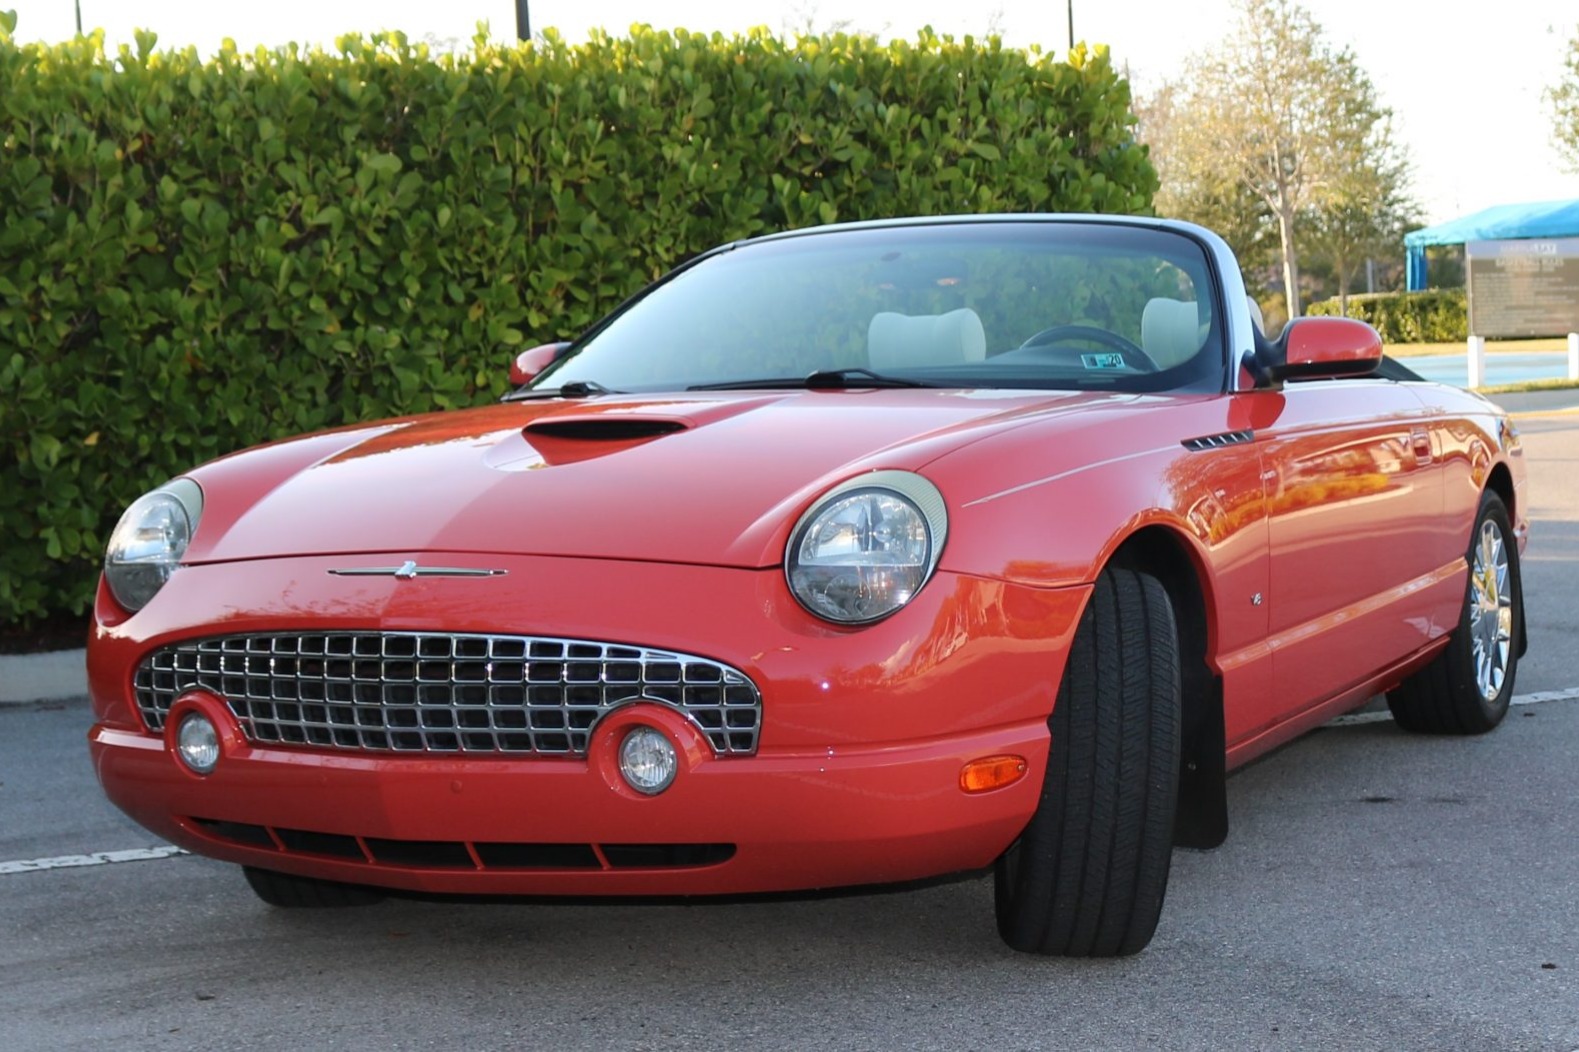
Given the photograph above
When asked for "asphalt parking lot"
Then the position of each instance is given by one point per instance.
(1378, 891)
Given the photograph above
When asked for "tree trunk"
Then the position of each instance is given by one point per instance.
(1343, 284)
(1285, 230)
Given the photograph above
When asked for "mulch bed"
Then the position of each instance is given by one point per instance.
(58, 633)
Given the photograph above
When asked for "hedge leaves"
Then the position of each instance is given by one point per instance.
(197, 256)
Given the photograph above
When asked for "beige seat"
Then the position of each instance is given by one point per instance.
(1171, 331)
(899, 341)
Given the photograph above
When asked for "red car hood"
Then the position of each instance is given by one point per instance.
(707, 479)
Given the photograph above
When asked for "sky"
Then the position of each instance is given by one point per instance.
(1465, 87)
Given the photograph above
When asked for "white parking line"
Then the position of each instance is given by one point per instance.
(1539, 697)
(98, 858)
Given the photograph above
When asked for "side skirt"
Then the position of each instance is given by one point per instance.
(1241, 753)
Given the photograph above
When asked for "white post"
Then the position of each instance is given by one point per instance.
(1477, 362)
(1573, 356)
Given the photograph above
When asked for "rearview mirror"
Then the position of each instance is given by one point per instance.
(528, 364)
(1319, 348)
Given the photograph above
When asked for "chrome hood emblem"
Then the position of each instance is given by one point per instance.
(409, 569)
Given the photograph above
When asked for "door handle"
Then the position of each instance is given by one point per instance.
(1420, 438)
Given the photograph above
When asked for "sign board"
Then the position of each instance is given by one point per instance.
(1528, 287)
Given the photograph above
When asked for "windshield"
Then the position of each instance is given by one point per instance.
(1002, 304)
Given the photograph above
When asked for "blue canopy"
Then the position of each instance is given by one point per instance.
(1498, 223)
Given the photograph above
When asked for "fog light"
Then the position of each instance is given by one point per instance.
(197, 742)
(648, 761)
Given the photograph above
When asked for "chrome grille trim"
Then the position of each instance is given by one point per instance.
(444, 693)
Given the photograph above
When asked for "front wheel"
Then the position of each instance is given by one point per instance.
(1467, 687)
(1087, 877)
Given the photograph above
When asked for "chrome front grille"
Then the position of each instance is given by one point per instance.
(434, 692)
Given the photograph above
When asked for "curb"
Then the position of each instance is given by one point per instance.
(1538, 403)
(43, 677)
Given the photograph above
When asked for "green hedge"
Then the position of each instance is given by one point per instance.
(200, 256)
(1432, 316)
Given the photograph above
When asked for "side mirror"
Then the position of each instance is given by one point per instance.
(1319, 348)
(528, 364)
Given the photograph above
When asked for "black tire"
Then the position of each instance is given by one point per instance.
(1087, 877)
(291, 892)
(1445, 697)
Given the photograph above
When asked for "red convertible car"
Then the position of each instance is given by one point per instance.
(844, 556)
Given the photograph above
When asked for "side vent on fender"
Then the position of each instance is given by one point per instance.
(1227, 438)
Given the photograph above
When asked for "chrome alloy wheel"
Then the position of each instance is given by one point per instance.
(1490, 611)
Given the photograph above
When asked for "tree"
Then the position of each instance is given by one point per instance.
(1195, 188)
(1564, 102)
(1284, 116)
(804, 18)
(1367, 212)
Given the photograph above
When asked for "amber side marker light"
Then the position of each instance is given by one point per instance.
(991, 772)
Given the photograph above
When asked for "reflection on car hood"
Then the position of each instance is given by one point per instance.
(707, 478)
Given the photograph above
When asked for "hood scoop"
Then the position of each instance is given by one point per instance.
(601, 428)
(554, 440)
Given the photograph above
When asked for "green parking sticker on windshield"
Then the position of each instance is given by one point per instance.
(1103, 361)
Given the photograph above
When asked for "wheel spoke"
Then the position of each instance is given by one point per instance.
(1491, 611)
(1466, 687)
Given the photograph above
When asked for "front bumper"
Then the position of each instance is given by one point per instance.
(856, 778)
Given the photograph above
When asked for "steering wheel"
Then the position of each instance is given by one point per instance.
(1133, 356)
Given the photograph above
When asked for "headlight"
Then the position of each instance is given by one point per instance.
(150, 539)
(867, 547)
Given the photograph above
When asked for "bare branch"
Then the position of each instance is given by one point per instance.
(1291, 120)
(1563, 101)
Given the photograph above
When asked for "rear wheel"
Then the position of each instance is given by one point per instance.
(1466, 688)
(292, 892)
(1087, 877)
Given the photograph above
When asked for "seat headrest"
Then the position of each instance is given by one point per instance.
(1171, 331)
(897, 341)
(1255, 315)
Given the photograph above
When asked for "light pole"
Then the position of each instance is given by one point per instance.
(523, 21)
(1071, 24)
(79, 17)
